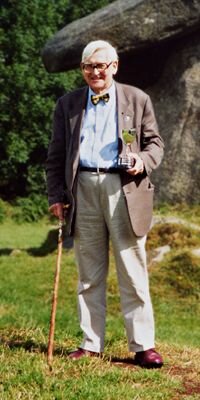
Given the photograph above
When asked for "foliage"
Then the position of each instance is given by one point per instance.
(80, 9)
(2, 211)
(5, 210)
(31, 208)
(28, 93)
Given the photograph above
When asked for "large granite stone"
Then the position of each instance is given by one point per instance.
(128, 24)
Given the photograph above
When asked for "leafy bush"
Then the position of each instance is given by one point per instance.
(2, 211)
(6, 210)
(30, 209)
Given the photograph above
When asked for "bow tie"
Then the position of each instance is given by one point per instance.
(96, 98)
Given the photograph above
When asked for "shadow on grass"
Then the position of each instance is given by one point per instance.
(48, 246)
(32, 346)
(123, 362)
(5, 252)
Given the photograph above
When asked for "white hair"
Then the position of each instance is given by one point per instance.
(96, 45)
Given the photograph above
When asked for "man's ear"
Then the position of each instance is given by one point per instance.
(115, 67)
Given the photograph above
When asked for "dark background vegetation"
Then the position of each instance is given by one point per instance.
(28, 95)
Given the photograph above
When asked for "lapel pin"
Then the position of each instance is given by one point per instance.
(127, 118)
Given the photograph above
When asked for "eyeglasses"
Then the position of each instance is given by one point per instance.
(100, 67)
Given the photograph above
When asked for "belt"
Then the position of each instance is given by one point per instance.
(101, 170)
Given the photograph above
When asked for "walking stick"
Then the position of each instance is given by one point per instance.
(55, 295)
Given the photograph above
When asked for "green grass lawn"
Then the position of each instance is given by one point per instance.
(26, 282)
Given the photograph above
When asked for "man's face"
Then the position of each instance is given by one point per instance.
(99, 80)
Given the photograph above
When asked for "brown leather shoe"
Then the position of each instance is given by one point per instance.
(76, 354)
(148, 359)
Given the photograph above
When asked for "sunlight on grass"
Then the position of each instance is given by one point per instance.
(23, 236)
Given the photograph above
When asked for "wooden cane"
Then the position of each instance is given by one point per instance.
(55, 296)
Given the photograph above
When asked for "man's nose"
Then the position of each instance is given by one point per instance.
(95, 71)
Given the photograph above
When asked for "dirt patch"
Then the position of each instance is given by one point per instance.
(189, 386)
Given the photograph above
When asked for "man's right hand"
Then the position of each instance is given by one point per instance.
(57, 210)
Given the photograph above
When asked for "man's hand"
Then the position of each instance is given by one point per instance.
(57, 210)
(138, 167)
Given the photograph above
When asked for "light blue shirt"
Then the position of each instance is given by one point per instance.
(99, 135)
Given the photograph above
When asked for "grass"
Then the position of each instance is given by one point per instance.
(190, 213)
(26, 276)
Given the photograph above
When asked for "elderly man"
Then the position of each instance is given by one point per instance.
(105, 183)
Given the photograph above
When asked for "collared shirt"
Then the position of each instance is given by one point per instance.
(99, 135)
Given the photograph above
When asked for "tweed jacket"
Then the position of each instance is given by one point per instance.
(134, 110)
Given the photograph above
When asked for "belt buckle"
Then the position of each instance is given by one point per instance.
(97, 172)
(100, 172)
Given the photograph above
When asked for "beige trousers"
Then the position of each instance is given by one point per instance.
(102, 214)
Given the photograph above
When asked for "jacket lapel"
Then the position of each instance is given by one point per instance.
(77, 109)
(125, 113)
(76, 114)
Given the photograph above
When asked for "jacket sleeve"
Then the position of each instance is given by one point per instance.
(55, 163)
(151, 142)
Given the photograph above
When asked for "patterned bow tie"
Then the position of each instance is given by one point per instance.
(96, 98)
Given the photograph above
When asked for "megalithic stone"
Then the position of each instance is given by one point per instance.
(130, 25)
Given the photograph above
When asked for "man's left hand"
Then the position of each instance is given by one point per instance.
(138, 167)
